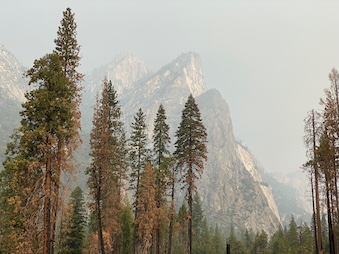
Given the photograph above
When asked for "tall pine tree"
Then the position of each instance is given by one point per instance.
(161, 141)
(138, 153)
(42, 150)
(108, 166)
(190, 153)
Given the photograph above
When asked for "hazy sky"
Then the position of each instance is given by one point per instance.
(269, 59)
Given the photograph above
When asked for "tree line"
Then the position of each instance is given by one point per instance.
(34, 216)
(322, 144)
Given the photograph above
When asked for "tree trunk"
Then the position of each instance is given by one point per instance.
(190, 205)
(314, 217)
(101, 245)
(329, 214)
(171, 218)
(316, 180)
(47, 208)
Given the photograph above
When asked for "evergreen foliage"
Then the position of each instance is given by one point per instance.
(161, 153)
(73, 230)
(146, 219)
(108, 167)
(41, 149)
(138, 155)
(126, 228)
(190, 153)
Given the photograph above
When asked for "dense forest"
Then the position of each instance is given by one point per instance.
(129, 202)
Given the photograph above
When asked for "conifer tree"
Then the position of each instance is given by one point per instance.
(126, 228)
(235, 245)
(182, 239)
(293, 236)
(68, 49)
(261, 243)
(42, 149)
(138, 153)
(146, 220)
(161, 154)
(218, 241)
(190, 153)
(306, 239)
(46, 140)
(73, 232)
(197, 225)
(108, 166)
(279, 243)
(312, 135)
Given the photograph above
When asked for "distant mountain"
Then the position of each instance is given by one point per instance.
(12, 89)
(12, 83)
(292, 196)
(233, 188)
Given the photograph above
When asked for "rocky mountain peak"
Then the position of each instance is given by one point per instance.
(124, 71)
(12, 83)
(184, 72)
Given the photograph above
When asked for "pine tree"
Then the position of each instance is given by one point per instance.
(218, 241)
(68, 49)
(74, 228)
(138, 154)
(312, 136)
(126, 228)
(236, 246)
(306, 239)
(331, 136)
(279, 243)
(42, 149)
(108, 166)
(260, 243)
(292, 236)
(161, 140)
(146, 219)
(180, 246)
(51, 74)
(197, 225)
(190, 153)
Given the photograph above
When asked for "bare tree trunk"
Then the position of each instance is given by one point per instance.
(329, 214)
(314, 217)
(190, 205)
(136, 210)
(316, 179)
(57, 182)
(47, 208)
(171, 218)
(101, 245)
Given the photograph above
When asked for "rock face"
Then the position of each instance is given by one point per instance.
(12, 83)
(12, 90)
(231, 188)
